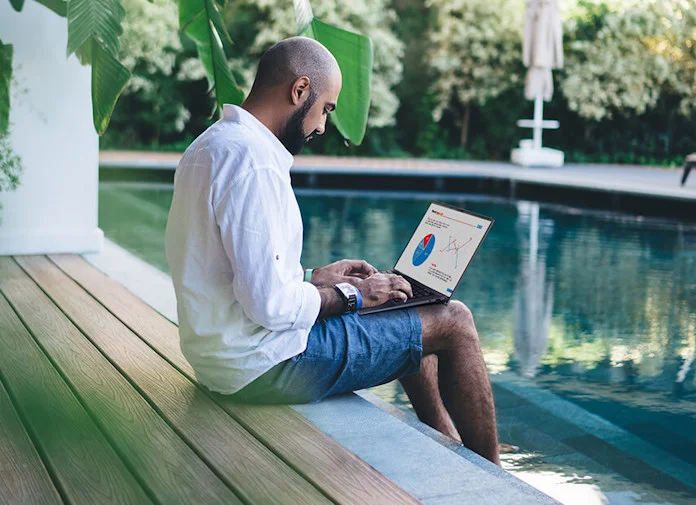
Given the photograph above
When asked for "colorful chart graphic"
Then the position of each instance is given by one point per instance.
(423, 250)
(454, 248)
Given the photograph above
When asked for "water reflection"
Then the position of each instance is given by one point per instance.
(533, 303)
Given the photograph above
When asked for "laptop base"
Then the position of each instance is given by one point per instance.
(394, 304)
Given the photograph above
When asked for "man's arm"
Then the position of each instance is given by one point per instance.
(251, 218)
(331, 302)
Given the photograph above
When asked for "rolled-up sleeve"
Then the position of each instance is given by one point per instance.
(252, 218)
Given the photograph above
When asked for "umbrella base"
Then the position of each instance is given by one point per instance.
(537, 157)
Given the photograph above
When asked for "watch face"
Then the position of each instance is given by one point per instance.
(350, 294)
(347, 288)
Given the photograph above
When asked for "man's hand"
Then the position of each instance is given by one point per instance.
(342, 271)
(382, 287)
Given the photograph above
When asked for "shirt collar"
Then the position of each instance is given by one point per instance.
(231, 112)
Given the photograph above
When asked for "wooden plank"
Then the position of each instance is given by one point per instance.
(172, 472)
(342, 476)
(79, 457)
(255, 473)
(23, 477)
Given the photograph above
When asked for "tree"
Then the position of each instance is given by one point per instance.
(680, 48)
(621, 67)
(152, 50)
(476, 53)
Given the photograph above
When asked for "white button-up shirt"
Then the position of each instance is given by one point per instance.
(233, 244)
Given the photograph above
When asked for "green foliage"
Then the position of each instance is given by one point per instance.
(272, 20)
(353, 52)
(109, 78)
(94, 20)
(168, 80)
(202, 22)
(619, 69)
(476, 50)
(60, 7)
(354, 55)
(5, 78)
(648, 114)
(93, 30)
(10, 165)
(17, 4)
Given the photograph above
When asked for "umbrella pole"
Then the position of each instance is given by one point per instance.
(538, 120)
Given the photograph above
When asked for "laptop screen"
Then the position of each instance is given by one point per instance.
(442, 247)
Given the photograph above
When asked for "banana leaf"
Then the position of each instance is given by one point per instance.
(202, 22)
(99, 19)
(93, 30)
(353, 52)
(5, 78)
(109, 78)
(60, 7)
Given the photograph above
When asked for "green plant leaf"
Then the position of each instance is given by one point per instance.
(109, 78)
(17, 4)
(5, 78)
(98, 19)
(93, 30)
(60, 7)
(202, 22)
(354, 55)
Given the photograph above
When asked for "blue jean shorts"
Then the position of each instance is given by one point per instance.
(343, 354)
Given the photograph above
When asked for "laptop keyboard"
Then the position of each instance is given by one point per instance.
(420, 292)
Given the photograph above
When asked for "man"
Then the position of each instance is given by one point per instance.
(250, 326)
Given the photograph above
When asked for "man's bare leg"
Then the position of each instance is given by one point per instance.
(465, 389)
(423, 391)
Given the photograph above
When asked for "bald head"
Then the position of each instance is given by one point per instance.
(296, 88)
(291, 58)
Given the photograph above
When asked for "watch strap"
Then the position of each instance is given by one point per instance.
(351, 295)
(343, 298)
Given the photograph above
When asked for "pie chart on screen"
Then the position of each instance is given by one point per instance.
(423, 250)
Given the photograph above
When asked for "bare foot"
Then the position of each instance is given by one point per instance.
(507, 448)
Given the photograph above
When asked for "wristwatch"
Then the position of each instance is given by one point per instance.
(351, 297)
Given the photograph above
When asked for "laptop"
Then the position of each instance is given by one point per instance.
(437, 255)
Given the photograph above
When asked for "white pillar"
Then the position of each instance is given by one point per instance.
(55, 207)
(538, 120)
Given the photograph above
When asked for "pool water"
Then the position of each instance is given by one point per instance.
(587, 323)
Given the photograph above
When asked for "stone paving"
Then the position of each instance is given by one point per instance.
(634, 179)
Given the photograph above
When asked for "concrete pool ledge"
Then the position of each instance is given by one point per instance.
(422, 461)
(641, 190)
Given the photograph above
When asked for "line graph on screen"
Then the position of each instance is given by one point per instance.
(454, 247)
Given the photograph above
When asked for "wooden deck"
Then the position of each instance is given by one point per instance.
(99, 406)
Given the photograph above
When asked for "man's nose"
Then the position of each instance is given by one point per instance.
(320, 129)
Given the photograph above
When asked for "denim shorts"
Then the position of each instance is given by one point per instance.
(344, 354)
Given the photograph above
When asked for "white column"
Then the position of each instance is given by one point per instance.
(55, 207)
(538, 121)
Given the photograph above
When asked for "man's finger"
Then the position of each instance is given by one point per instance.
(405, 286)
(362, 266)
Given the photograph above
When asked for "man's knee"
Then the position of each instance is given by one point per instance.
(446, 326)
(461, 324)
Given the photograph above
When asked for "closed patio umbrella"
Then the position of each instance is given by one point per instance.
(542, 51)
(542, 47)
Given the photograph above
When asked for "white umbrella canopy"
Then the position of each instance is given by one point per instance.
(542, 47)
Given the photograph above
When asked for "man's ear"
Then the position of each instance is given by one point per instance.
(300, 90)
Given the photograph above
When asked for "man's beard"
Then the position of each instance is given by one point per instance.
(293, 137)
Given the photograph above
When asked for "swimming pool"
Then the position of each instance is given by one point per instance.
(587, 323)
